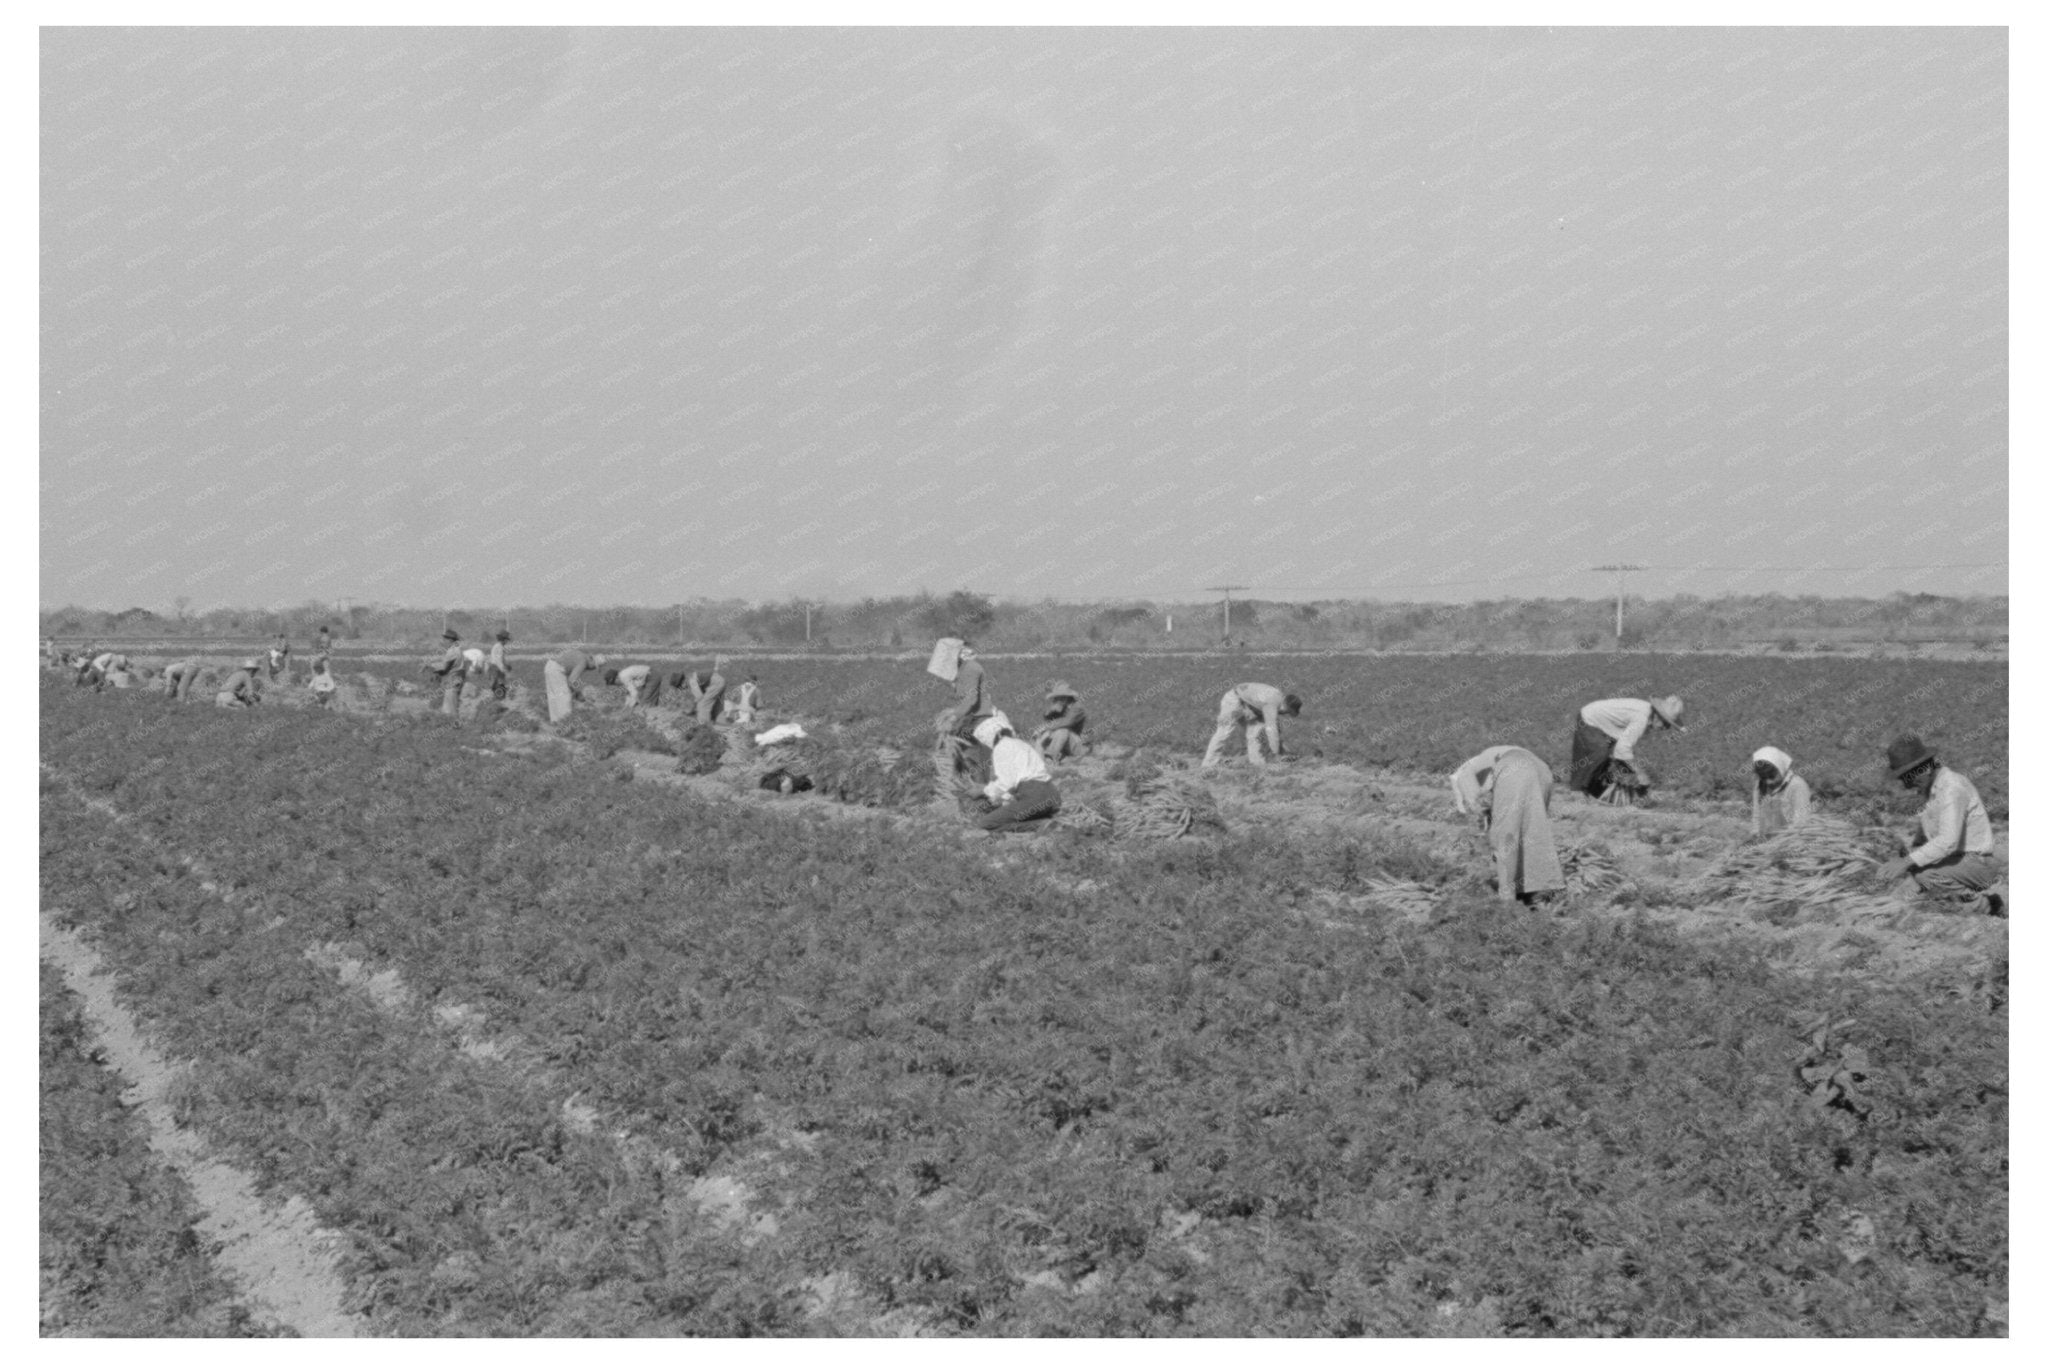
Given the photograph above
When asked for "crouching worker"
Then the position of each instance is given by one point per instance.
(1778, 800)
(239, 691)
(1508, 790)
(1021, 794)
(180, 678)
(1950, 855)
(1060, 737)
(746, 702)
(321, 684)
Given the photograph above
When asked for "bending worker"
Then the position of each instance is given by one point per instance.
(1255, 708)
(1508, 790)
(634, 679)
(707, 692)
(239, 691)
(180, 678)
(954, 661)
(562, 672)
(1061, 737)
(1021, 794)
(1950, 855)
(1778, 799)
(1604, 745)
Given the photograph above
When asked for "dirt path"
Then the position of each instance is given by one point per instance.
(281, 1257)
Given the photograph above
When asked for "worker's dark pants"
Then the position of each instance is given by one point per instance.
(1031, 808)
(500, 682)
(1955, 876)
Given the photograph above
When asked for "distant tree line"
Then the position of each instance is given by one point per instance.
(911, 622)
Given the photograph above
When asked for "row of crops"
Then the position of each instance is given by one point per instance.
(1111, 1090)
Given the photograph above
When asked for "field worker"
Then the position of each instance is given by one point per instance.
(1778, 798)
(52, 657)
(280, 655)
(180, 678)
(239, 691)
(323, 642)
(453, 666)
(954, 661)
(562, 672)
(1060, 737)
(707, 691)
(1021, 790)
(633, 679)
(654, 688)
(1604, 745)
(1255, 708)
(746, 700)
(321, 683)
(101, 669)
(1950, 855)
(1508, 790)
(496, 674)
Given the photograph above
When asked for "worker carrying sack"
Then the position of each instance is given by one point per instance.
(945, 664)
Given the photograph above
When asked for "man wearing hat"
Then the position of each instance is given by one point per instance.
(1778, 799)
(454, 663)
(239, 691)
(1021, 795)
(180, 678)
(561, 672)
(1604, 745)
(1060, 737)
(1950, 855)
(495, 671)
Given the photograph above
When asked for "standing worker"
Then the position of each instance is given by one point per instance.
(495, 672)
(453, 665)
(1604, 762)
(1061, 737)
(1021, 794)
(1950, 855)
(1508, 790)
(280, 660)
(562, 672)
(239, 692)
(180, 678)
(1255, 708)
(1778, 800)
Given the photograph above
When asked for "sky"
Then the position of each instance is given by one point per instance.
(473, 317)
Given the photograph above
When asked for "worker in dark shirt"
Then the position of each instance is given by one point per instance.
(1061, 737)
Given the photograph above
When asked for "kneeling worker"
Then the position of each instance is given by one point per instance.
(1022, 791)
(1951, 853)
(1508, 789)
(239, 691)
(1060, 737)
(1255, 708)
(1778, 800)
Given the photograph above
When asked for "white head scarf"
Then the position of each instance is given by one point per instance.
(1776, 757)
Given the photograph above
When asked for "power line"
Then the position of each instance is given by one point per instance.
(1660, 568)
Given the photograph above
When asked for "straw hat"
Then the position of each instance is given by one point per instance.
(1671, 710)
(1907, 753)
(450, 636)
(1059, 689)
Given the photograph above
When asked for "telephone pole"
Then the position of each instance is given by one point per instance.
(1620, 586)
(1226, 590)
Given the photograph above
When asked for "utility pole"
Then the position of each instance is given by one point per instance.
(807, 622)
(1620, 586)
(1226, 591)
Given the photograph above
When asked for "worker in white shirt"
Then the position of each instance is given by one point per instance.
(1950, 854)
(100, 670)
(1255, 708)
(746, 700)
(1507, 789)
(180, 678)
(496, 673)
(1604, 763)
(1778, 797)
(634, 679)
(321, 683)
(1021, 794)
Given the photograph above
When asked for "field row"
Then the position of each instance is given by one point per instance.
(1119, 1093)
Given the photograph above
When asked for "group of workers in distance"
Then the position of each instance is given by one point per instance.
(1506, 789)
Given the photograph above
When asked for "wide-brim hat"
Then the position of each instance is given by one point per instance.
(1672, 710)
(1059, 689)
(251, 663)
(1907, 753)
(450, 636)
(503, 637)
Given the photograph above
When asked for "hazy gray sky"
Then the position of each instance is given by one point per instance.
(475, 316)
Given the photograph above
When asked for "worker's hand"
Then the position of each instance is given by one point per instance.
(1895, 868)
